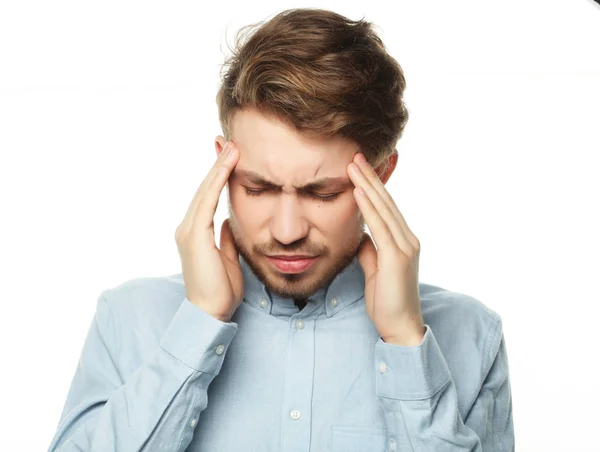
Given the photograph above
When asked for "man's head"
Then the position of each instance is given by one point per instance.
(306, 92)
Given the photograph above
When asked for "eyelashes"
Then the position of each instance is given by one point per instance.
(328, 198)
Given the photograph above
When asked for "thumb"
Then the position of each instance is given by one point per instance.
(227, 244)
(367, 256)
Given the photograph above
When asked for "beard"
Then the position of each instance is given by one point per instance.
(299, 286)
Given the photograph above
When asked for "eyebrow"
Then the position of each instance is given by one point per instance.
(319, 184)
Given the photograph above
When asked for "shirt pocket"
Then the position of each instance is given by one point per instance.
(351, 438)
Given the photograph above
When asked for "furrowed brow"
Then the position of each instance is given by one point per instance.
(319, 184)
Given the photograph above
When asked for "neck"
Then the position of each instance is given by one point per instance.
(300, 303)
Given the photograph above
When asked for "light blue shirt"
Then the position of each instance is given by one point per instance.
(157, 373)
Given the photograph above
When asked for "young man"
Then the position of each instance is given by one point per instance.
(299, 332)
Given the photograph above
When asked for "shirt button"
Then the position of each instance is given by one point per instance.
(220, 349)
(392, 445)
(263, 303)
(299, 324)
(334, 302)
(295, 414)
(193, 423)
(383, 367)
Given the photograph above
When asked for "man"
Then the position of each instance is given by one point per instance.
(299, 332)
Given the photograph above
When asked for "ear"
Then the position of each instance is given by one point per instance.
(220, 142)
(386, 168)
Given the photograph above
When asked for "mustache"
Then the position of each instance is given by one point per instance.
(297, 247)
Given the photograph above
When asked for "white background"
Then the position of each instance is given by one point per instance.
(107, 127)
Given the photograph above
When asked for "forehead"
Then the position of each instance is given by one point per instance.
(284, 156)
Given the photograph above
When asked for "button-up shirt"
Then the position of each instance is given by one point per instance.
(157, 373)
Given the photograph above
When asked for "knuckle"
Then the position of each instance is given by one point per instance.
(416, 243)
(414, 254)
(398, 253)
(180, 233)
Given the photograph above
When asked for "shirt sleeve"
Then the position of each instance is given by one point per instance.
(159, 405)
(420, 401)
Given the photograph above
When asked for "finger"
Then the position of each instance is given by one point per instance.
(207, 204)
(372, 176)
(378, 208)
(203, 190)
(367, 256)
(206, 182)
(381, 233)
(227, 244)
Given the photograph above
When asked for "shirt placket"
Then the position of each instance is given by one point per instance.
(296, 412)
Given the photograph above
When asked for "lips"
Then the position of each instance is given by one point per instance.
(293, 258)
(292, 264)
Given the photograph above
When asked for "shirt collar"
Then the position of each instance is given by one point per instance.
(347, 287)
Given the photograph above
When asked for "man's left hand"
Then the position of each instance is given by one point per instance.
(392, 269)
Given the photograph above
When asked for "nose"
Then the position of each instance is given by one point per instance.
(288, 224)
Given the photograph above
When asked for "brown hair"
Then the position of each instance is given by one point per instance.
(320, 73)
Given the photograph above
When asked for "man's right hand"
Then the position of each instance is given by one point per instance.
(213, 277)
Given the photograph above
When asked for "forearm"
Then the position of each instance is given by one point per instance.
(420, 402)
(159, 404)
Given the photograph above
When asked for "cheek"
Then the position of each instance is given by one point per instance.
(338, 216)
(246, 209)
(238, 199)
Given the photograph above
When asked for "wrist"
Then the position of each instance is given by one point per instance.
(407, 338)
(217, 315)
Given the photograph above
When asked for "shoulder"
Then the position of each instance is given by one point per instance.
(455, 307)
(144, 297)
(133, 315)
(465, 328)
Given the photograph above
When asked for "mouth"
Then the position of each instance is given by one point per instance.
(292, 263)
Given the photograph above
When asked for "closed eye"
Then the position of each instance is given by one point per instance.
(327, 198)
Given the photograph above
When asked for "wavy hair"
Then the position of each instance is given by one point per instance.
(320, 73)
